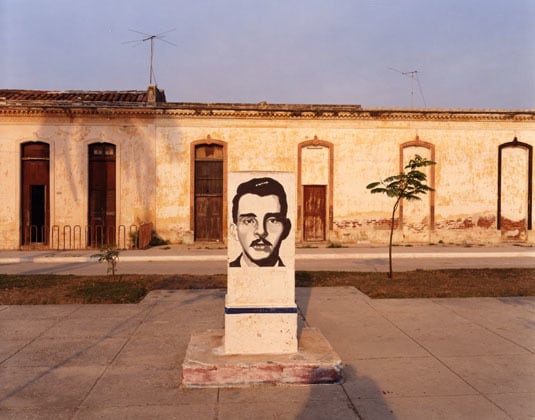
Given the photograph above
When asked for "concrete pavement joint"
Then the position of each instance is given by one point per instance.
(483, 326)
(59, 364)
(46, 372)
(147, 311)
(442, 393)
(60, 319)
(442, 362)
(351, 405)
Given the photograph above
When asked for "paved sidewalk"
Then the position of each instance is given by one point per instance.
(404, 359)
(212, 259)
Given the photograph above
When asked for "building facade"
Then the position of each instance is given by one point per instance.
(81, 169)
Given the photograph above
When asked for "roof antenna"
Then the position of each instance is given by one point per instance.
(151, 38)
(414, 76)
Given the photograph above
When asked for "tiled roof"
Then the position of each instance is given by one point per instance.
(73, 95)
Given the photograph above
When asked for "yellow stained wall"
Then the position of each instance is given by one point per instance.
(69, 141)
(465, 175)
(154, 170)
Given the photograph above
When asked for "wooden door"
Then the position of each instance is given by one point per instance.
(102, 181)
(314, 212)
(208, 193)
(35, 183)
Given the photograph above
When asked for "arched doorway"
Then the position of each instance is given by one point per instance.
(417, 217)
(315, 190)
(35, 195)
(208, 191)
(515, 174)
(101, 199)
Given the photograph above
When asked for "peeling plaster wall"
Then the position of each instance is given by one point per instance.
(465, 182)
(172, 204)
(9, 186)
(514, 194)
(364, 151)
(154, 170)
(69, 141)
(315, 165)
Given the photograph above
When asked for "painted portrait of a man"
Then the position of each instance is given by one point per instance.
(259, 222)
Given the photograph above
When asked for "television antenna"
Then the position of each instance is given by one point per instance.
(414, 77)
(151, 38)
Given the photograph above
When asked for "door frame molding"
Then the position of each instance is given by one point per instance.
(49, 202)
(514, 144)
(208, 141)
(431, 182)
(116, 159)
(300, 194)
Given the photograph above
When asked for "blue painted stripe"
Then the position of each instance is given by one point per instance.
(236, 311)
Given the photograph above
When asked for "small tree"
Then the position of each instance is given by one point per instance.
(111, 256)
(407, 185)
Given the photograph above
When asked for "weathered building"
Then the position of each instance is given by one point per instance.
(86, 168)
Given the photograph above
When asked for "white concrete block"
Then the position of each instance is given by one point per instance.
(261, 333)
(260, 310)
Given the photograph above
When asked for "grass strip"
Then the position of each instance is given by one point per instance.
(132, 288)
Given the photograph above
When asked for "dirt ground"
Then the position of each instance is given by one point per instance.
(68, 289)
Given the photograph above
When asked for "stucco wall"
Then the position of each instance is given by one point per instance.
(69, 141)
(154, 171)
(465, 200)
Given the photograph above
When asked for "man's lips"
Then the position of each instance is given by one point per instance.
(261, 245)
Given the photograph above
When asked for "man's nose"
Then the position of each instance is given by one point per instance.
(261, 231)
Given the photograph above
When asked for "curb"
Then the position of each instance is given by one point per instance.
(185, 258)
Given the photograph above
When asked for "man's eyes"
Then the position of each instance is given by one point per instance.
(248, 220)
(251, 221)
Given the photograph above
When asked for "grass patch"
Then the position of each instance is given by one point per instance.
(104, 291)
(38, 281)
(428, 284)
(131, 288)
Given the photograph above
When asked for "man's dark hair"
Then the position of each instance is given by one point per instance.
(261, 187)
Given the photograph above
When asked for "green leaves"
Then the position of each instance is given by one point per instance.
(109, 254)
(373, 185)
(418, 162)
(407, 185)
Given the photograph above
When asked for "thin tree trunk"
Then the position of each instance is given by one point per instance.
(391, 274)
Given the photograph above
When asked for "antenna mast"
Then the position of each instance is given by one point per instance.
(151, 38)
(414, 76)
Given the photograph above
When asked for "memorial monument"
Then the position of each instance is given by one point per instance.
(260, 342)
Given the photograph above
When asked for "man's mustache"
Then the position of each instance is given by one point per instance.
(261, 242)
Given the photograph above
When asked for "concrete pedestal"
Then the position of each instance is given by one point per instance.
(259, 344)
(206, 365)
(260, 333)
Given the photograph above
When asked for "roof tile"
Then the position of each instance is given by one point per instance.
(73, 95)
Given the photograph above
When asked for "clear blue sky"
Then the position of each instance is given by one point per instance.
(469, 53)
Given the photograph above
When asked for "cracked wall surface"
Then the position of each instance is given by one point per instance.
(154, 168)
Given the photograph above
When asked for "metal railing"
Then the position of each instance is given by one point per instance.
(71, 237)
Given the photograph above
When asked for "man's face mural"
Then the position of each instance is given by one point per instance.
(260, 222)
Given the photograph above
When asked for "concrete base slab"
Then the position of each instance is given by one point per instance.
(205, 365)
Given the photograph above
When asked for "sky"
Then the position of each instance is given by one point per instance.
(467, 53)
